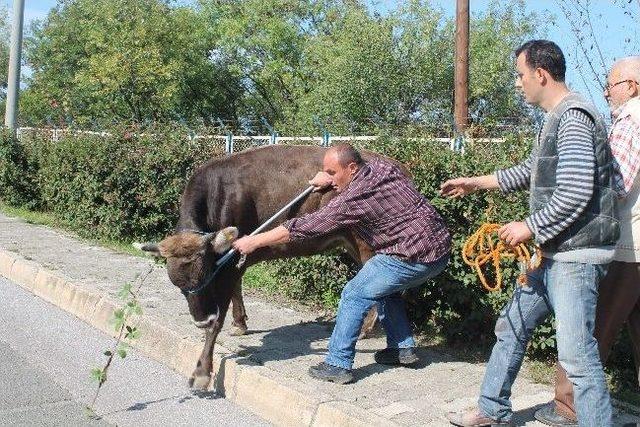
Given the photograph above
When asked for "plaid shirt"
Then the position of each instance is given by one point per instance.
(382, 206)
(624, 138)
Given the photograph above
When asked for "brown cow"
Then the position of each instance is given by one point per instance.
(243, 191)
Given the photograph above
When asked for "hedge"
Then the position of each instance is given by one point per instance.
(127, 187)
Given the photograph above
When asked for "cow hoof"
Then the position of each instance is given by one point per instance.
(366, 334)
(200, 383)
(238, 330)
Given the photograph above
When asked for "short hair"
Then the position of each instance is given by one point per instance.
(347, 154)
(544, 54)
(629, 67)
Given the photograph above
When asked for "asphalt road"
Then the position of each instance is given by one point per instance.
(46, 356)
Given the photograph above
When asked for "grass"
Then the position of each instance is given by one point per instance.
(262, 280)
(541, 372)
(50, 220)
(261, 276)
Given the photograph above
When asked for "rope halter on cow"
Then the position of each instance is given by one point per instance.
(222, 261)
(484, 245)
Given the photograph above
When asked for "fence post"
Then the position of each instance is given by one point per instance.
(228, 146)
(326, 136)
(458, 142)
(272, 132)
(229, 143)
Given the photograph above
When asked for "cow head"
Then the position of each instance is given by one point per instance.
(191, 257)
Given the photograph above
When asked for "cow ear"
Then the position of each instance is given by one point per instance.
(148, 247)
(222, 242)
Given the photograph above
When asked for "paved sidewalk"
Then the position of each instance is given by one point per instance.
(265, 370)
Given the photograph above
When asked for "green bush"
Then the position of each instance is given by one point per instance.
(124, 186)
(127, 186)
(315, 280)
(18, 166)
(454, 303)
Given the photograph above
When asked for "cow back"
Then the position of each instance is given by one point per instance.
(247, 188)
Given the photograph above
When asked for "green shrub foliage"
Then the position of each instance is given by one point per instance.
(122, 186)
(18, 168)
(127, 186)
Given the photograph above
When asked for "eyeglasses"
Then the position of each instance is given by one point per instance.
(608, 86)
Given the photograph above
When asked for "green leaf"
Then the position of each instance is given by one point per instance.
(99, 375)
(125, 291)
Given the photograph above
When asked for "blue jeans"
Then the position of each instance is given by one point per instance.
(380, 281)
(570, 291)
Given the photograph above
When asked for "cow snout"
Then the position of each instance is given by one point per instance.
(209, 321)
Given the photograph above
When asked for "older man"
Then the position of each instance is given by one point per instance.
(411, 241)
(569, 174)
(619, 299)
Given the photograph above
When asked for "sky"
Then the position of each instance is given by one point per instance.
(615, 24)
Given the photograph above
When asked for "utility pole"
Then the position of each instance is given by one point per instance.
(13, 83)
(461, 87)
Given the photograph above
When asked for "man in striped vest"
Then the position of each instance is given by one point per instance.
(569, 174)
(619, 293)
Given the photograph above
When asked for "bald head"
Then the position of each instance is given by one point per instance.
(345, 154)
(623, 83)
(341, 162)
(627, 68)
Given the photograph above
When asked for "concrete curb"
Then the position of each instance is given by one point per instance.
(259, 389)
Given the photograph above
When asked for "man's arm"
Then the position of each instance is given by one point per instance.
(280, 234)
(507, 180)
(459, 187)
(515, 178)
(329, 218)
(512, 233)
(248, 244)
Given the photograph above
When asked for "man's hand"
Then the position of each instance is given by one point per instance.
(321, 181)
(515, 233)
(458, 187)
(245, 245)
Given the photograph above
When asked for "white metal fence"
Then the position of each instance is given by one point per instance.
(234, 143)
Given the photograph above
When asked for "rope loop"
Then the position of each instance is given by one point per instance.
(485, 246)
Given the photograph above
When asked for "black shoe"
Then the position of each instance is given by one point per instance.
(396, 356)
(334, 374)
(548, 415)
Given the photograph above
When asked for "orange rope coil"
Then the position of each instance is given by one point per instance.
(484, 245)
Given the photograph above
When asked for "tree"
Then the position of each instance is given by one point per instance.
(376, 71)
(5, 40)
(494, 36)
(590, 29)
(125, 60)
(366, 71)
(265, 41)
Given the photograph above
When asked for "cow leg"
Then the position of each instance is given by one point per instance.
(201, 376)
(238, 311)
(369, 323)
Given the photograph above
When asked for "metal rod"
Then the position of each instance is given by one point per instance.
(267, 223)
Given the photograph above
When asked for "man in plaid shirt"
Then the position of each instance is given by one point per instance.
(619, 292)
(378, 202)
